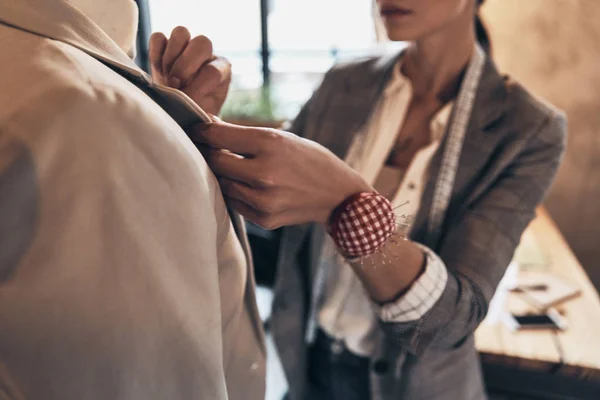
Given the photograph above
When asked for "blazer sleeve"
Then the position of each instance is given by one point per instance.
(298, 124)
(478, 247)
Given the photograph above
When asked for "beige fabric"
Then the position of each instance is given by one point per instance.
(117, 18)
(347, 312)
(121, 276)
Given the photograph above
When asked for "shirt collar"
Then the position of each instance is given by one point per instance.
(397, 81)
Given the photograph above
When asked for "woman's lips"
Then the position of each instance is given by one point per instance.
(391, 11)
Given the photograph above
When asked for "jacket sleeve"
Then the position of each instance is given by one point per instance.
(478, 246)
(298, 124)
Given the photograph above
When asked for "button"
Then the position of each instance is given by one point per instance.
(254, 366)
(337, 347)
(412, 186)
(381, 367)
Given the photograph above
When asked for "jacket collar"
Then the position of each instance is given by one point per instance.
(59, 20)
(491, 100)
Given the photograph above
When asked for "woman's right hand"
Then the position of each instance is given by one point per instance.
(275, 178)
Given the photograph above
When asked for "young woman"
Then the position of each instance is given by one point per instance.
(465, 156)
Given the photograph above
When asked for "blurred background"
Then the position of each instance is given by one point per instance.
(553, 48)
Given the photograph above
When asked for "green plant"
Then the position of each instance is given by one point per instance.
(255, 105)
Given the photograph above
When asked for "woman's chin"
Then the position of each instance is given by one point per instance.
(400, 34)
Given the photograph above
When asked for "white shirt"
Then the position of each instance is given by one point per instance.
(347, 312)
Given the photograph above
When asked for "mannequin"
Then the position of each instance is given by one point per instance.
(117, 18)
(127, 279)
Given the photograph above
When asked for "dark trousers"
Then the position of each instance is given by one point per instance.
(334, 373)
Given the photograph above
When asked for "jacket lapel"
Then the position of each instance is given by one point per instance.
(480, 141)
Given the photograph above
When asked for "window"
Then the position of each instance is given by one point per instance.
(304, 39)
(233, 26)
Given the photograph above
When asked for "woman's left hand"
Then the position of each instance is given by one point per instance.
(189, 64)
(275, 178)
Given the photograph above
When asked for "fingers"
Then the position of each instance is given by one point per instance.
(238, 191)
(210, 86)
(253, 215)
(198, 52)
(190, 65)
(213, 75)
(246, 211)
(237, 139)
(248, 202)
(158, 44)
(180, 37)
(231, 166)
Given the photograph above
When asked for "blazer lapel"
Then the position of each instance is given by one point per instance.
(480, 141)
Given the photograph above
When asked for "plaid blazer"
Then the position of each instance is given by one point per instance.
(512, 149)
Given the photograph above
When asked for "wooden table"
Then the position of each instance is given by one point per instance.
(547, 364)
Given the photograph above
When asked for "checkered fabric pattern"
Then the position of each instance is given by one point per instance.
(458, 129)
(422, 294)
(362, 224)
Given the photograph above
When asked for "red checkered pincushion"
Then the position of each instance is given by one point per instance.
(362, 224)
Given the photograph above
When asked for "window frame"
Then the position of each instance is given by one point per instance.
(145, 30)
(143, 36)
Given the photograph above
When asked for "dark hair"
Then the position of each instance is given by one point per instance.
(481, 32)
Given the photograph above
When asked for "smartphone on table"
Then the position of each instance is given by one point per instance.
(550, 319)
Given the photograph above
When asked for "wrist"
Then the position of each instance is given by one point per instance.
(341, 197)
